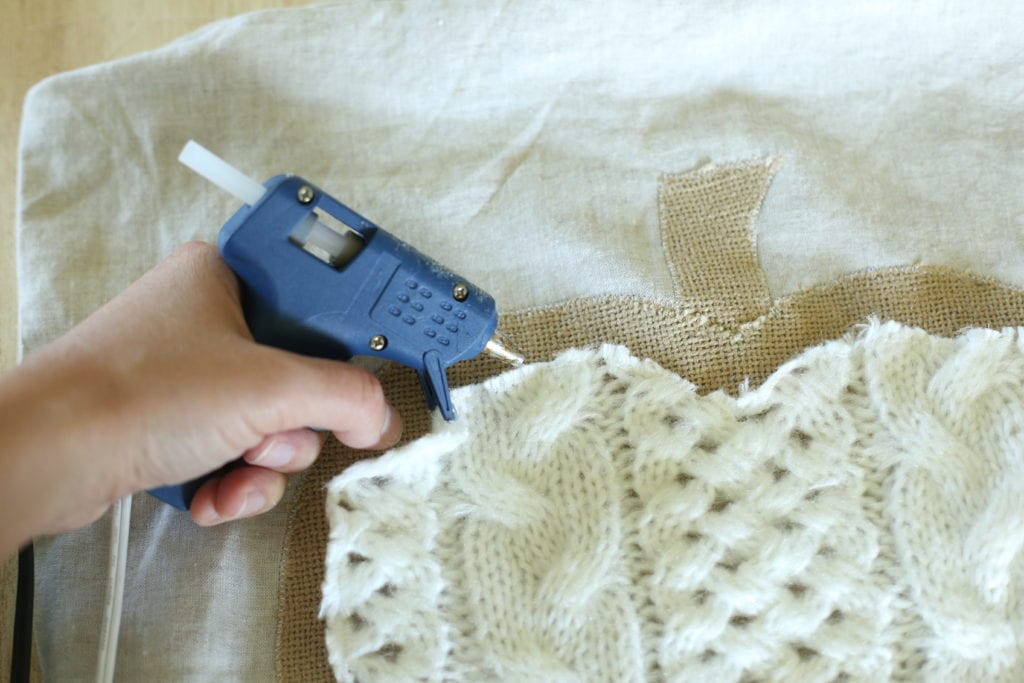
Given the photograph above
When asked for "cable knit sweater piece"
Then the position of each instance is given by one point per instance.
(859, 516)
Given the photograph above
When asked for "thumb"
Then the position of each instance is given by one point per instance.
(325, 394)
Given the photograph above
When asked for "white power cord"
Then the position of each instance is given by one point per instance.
(218, 171)
(120, 521)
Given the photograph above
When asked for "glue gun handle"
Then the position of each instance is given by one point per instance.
(267, 327)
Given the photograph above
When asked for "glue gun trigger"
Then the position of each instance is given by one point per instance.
(435, 385)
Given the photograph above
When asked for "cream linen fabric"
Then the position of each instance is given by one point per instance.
(509, 141)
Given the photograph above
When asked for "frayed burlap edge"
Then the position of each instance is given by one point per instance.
(724, 330)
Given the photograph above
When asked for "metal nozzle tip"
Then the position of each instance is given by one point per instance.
(498, 347)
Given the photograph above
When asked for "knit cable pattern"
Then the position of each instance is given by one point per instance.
(859, 516)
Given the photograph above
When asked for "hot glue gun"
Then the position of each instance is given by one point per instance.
(321, 280)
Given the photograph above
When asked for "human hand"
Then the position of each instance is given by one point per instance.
(164, 384)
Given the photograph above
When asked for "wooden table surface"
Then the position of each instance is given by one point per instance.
(44, 37)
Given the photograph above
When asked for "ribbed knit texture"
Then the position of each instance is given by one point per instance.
(859, 516)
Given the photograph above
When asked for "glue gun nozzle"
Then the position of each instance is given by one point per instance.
(499, 347)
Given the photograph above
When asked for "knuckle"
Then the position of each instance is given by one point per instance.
(203, 260)
(194, 250)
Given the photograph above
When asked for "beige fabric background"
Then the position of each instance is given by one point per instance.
(511, 141)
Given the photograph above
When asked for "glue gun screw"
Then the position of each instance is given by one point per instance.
(305, 194)
(460, 292)
(378, 342)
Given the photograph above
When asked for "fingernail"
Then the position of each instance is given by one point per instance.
(389, 416)
(255, 502)
(277, 453)
(209, 517)
(389, 419)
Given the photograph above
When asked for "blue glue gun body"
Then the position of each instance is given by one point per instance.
(355, 291)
